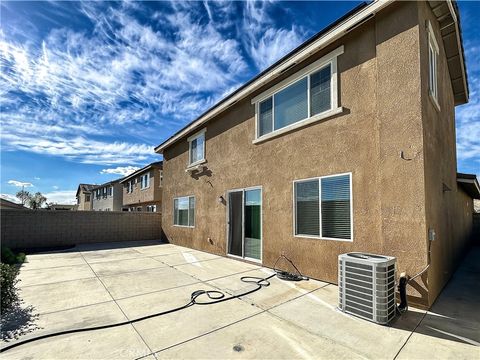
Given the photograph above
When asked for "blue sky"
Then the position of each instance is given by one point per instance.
(89, 88)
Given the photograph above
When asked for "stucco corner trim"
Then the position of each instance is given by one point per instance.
(299, 124)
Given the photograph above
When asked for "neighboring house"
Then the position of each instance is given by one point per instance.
(345, 144)
(107, 197)
(7, 204)
(142, 190)
(84, 196)
(62, 207)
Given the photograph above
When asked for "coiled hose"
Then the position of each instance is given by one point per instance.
(215, 297)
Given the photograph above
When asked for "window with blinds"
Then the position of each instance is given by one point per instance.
(323, 207)
(301, 100)
(184, 211)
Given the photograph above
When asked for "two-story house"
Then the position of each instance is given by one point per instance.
(142, 190)
(345, 144)
(108, 196)
(84, 197)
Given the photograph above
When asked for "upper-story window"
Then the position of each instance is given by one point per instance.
(309, 95)
(110, 190)
(145, 181)
(196, 148)
(87, 197)
(432, 65)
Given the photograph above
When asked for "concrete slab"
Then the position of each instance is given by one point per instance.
(142, 305)
(115, 343)
(428, 345)
(185, 257)
(64, 295)
(78, 318)
(315, 313)
(34, 262)
(161, 249)
(259, 337)
(53, 275)
(122, 266)
(208, 270)
(278, 292)
(99, 256)
(143, 282)
(192, 322)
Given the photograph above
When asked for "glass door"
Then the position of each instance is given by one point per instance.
(245, 223)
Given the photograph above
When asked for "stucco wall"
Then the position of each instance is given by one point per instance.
(381, 94)
(448, 207)
(114, 202)
(149, 196)
(29, 228)
(83, 204)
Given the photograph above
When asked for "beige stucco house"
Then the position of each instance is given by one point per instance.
(84, 197)
(142, 190)
(107, 196)
(345, 144)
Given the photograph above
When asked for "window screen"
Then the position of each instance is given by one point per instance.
(184, 211)
(265, 120)
(320, 96)
(336, 207)
(197, 148)
(291, 104)
(307, 208)
(323, 207)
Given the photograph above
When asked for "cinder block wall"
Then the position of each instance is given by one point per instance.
(30, 228)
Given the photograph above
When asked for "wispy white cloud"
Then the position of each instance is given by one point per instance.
(20, 183)
(94, 96)
(120, 170)
(61, 197)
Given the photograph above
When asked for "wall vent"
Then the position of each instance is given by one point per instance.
(366, 285)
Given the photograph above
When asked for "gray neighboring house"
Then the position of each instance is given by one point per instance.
(107, 196)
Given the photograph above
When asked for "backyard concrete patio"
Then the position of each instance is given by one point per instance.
(100, 284)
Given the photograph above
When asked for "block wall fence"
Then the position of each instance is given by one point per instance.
(39, 228)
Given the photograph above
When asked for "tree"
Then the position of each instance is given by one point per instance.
(36, 201)
(33, 201)
(24, 196)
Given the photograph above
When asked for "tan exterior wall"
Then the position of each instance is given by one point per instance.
(448, 208)
(39, 228)
(84, 205)
(398, 147)
(144, 197)
(381, 94)
(112, 202)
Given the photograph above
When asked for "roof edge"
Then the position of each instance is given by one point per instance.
(319, 41)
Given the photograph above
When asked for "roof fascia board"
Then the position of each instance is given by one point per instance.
(321, 42)
(138, 172)
(460, 49)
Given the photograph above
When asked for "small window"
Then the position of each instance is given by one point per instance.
(87, 198)
(110, 191)
(184, 211)
(432, 64)
(196, 147)
(145, 181)
(323, 207)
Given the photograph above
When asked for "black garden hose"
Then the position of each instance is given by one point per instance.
(215, 296)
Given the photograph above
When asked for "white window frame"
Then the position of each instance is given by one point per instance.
(188, 219)
(328, 59)
(145, 181)
(190, 140)
(433, 65)
(320, 237)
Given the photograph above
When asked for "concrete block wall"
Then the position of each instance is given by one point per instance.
(34, 229)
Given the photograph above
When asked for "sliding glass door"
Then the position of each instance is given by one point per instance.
(245, 223)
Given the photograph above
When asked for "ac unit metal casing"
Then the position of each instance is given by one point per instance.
(366, 285)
